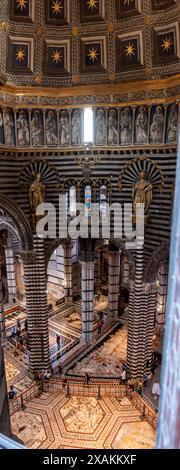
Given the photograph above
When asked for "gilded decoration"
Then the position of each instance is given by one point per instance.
(120, 41)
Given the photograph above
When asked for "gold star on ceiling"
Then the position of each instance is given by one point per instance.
(21, 4)
(92, 4)
(57, 7)
(93, 54)
(166, 44)
(130, 49)
(20, 54)
(57, 56)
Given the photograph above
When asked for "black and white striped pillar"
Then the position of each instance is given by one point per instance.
(141, 320)
(87, 287)
(67, 247)
(36, 306)
(134, 318)
(113, 284)
(2, 317)
(161, 299)
(11, 273)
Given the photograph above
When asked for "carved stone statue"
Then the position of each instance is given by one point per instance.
(76, 128)
(36, 193)
(22, 129)
(51, 129)
(8, 128)
(126, 126)
(142, 193)
(142, 126)
(112, 128)
(64, 128)
(172, 125)
(100, 128)
(37, 129)
(157, 126)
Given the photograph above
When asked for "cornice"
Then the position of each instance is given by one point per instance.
(130, 87)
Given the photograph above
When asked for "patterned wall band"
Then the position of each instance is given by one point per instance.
(127, 126)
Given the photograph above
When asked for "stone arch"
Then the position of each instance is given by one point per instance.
(52, 247)
(14, 219)
(159, 256)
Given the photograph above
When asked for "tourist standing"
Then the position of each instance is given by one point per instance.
(58, 341)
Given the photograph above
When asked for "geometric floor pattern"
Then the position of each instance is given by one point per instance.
(107, 359)
(54, 421)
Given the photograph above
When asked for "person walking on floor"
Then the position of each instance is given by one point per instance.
(12, 392)
(156, 390)
(58, 341)
(145, 379)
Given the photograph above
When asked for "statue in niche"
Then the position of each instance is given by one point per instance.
(37, 129)
(8, 128)
(64, 128)
(142, 193)
(22, 129)
(36, 193)
(172, 124)
(126, 126)
(1, 129)
(76, 128)
(100, 128)
(51, 129)
(142, 126)
(112, 128)
(157, 126)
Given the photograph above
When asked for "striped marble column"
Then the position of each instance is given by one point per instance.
(2, 318)
(149, 295)
(67, 247)
(87, 287)
(161, 299)
(113, 284)
(141, 320)
(134, 318)
(36, 306)
(11, 273)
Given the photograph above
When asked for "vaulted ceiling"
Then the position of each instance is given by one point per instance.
(68, 42)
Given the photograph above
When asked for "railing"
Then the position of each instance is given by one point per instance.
(92, 378)
(97, 389)
(100, 389)
(147, 413)
(19, 402)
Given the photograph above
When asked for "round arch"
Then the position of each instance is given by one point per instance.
(14, 219)
(159, 256)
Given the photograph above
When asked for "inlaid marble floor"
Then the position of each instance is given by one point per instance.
(54, 421)
(107, 359)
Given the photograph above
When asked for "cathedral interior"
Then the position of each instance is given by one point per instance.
(89, 113)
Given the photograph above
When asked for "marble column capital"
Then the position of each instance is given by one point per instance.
(88, 264)
(67, 244)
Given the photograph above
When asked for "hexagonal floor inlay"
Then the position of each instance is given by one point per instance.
(55, 421)
(29, 428)
(82, 414)
(138, 435)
